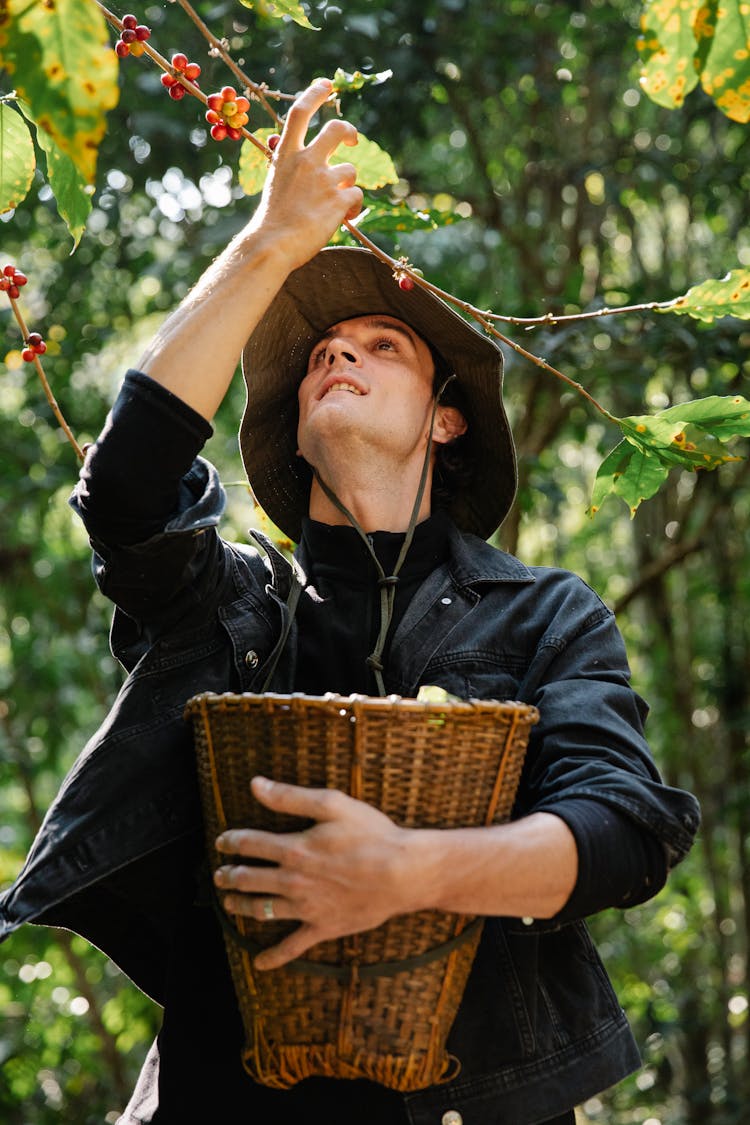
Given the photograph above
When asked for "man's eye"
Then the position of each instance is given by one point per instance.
(385, 343)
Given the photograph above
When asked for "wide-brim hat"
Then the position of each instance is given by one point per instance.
(340, 283)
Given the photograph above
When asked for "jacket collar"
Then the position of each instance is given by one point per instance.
(473, 561)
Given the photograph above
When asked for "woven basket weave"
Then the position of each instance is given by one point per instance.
(378, 1004)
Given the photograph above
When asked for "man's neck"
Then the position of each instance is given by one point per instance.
(379, 508)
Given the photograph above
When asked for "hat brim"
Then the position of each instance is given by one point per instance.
(340, 283)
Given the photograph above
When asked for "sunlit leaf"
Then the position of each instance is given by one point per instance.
(17, 160)
(253, 166)
(686, 41)
(667, 46)
(689, 434)
(343, 82)
(68, 186)
(723, 416)
(60, 59)
(725, 75)
(727, 296)
(277, 9)
(375, 167)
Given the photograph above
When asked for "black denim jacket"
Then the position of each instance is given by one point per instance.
(539, 1029)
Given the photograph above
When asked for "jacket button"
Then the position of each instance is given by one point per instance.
(252, 659)
(452, 1117)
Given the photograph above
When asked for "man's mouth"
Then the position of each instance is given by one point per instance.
(343, 387)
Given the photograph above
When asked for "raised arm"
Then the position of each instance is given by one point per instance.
(195, 353)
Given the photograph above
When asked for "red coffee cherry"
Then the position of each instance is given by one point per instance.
(227, 113)
(132, 37)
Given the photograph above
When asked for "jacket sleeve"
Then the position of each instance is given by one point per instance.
(589, 762)
(151, 505)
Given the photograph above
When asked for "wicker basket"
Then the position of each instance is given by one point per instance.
(379, 1004)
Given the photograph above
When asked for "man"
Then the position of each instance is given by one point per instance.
(352, 440)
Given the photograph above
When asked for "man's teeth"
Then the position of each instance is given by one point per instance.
(344, 387)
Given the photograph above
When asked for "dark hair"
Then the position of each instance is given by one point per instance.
(454, 461)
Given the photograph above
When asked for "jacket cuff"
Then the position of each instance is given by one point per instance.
(620, 863)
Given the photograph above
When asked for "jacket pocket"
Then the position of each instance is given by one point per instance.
(477, 674)
(568, 993)
(530, 994)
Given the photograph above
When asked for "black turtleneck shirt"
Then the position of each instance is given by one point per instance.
(337, 634)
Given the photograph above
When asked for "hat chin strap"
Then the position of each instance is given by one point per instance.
(387, 583)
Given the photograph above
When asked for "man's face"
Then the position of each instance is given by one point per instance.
(368, 384)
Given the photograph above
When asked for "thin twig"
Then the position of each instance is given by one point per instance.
(478, 315)
(553, 318)
(258, 91)
(43, 378)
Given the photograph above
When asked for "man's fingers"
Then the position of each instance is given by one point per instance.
(355, 208)
(299, 116)
(253, 843)
(252, 879)
(334, 133)
(316, 804)
(287, 950)
(262, 908)
(346, 173)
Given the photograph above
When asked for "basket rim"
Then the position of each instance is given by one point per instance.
(357, 702)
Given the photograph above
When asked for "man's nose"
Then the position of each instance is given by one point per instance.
(341, 349)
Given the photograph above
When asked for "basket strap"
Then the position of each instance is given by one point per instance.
(344, 972)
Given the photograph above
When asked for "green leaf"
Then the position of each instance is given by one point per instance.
(278, 9)
(374, 166)
(253, 166)
(17, 160)
(68, 186)
(727, 296)
(667, 46)
(630, 473)
(62, 63)
(399, 218)
(345, 83)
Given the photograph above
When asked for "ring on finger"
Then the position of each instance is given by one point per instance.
(268, 912)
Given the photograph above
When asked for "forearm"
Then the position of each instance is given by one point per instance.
(195, 353)
(354, 868)
(304, 200)
(527, 868)
(129, 483)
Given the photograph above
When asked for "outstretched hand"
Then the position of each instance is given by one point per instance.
(305, 197)
(346, 873)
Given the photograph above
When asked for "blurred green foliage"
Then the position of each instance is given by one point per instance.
(525, 123)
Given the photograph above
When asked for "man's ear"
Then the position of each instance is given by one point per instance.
(449, 425)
